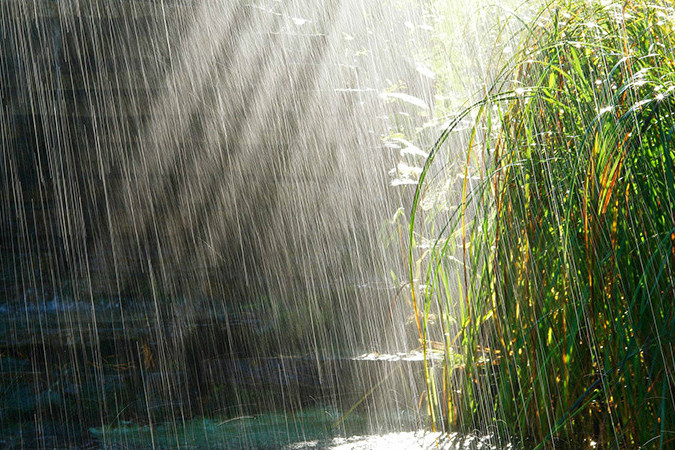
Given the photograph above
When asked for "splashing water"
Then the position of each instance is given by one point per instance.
(196, 235)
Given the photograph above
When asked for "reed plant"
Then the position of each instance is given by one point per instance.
(554, 273)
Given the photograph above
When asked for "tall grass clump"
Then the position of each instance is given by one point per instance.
(551, 283)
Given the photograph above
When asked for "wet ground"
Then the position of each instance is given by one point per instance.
(313, 429)
(96, 375)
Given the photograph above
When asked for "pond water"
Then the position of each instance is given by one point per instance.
(312, 429)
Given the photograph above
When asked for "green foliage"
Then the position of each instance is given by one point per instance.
(566, 287)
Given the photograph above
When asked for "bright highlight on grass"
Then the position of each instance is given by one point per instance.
(552, 281)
